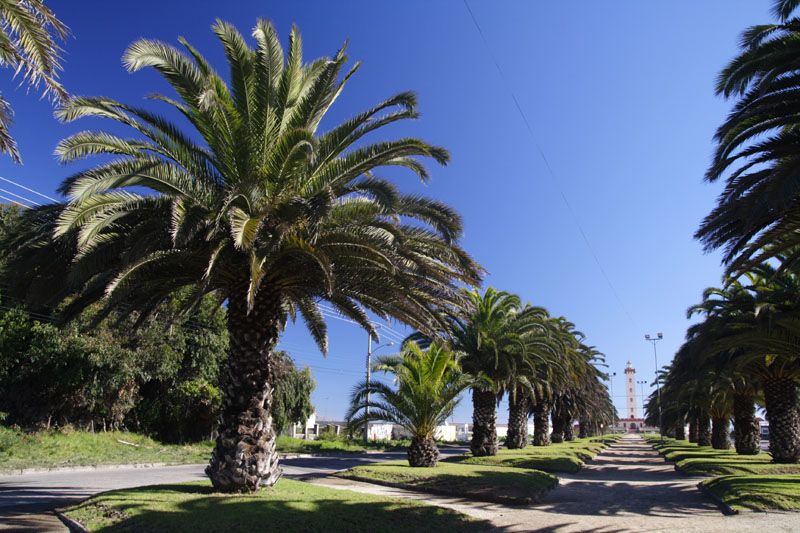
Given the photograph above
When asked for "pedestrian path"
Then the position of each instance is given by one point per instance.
(628, 487)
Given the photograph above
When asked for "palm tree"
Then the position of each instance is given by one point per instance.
(29, 36)
(758, 148)
(428, 385)
(254, 205)
(490, 335)
(540, 346)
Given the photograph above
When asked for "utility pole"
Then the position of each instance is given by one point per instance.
(654, 340)
(369, 378)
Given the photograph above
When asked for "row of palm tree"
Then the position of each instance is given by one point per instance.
(247, 200)
(500, 348)
(744, 350)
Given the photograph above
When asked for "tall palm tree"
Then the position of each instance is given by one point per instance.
(29, 35)
(758, 147)
(540, 346)
(489, 334)
(254, 204)
(428, 385)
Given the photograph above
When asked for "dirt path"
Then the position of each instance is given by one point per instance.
(628, 487)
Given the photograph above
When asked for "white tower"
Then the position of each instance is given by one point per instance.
(630, 390)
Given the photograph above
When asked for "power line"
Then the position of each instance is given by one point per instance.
(20, 197)
(14, 202)
(550, 171)
(28, 189)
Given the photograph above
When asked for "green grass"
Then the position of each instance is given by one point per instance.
(54, 449)
(757, 492)
(561, 457)
(293, 445)
(289, 506)
(474, 482)
(706, 461)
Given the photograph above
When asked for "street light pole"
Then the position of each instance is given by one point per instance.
(641, 384)
(659, 336)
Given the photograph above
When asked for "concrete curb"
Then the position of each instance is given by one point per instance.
(73, 525)
(724, 507)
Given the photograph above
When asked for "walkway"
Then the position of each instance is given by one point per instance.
(628, 487)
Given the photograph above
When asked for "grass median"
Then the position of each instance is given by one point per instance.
(475, 482)
(706, 461)
(759, 493)
(289, 506)
(561, 457)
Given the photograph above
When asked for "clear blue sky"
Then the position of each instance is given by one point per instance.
(620, 97)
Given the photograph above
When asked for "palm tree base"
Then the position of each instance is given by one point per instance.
(423, 452)
(517, 437)
(780, 398)
(703, 431)
(747, 438)
(541, 424)
(484, 428)
(719, 434)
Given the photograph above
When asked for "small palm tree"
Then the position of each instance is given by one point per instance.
(427, 388)
(29, 32)
(255, 205)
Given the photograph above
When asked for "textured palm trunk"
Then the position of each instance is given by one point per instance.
(583, 428)
(680, 431)
(747, 438)
(780, 399)
(569, 430)
(557, 435)
(693, 429)
(703, 430)
(244, 457)
(423, 452)
(719, 433)
(518, 407)
(541, 423)
(484, 420)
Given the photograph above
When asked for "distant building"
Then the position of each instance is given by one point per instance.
(632, 422)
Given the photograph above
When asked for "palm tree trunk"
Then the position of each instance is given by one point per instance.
(557, 435)
(583, 428)
(780, 399)
(518, 407)
(703, 430)
(423, 452)
(693, 429)
(680, 431)
(569, 433)
(747, 437)
(719, 433)
(484, 419)
(541, 425)
(244, 457)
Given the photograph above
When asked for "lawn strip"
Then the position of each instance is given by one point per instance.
(475, 482)
(758, 493)
(289, 506)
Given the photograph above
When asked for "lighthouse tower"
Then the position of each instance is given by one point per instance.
(630, 390)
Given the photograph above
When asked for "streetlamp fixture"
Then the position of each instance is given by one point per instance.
(659, 336)
(370, 350)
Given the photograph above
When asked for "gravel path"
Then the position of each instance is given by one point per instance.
(628, 487)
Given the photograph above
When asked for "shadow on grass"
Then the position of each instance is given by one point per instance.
(293, 507)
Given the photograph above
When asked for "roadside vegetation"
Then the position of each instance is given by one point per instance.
(289, 506)
(566, 456)
(757, 492)
(475, 482)
(706, 461)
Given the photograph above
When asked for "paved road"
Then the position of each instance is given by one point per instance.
(26, 499)
(628, 487)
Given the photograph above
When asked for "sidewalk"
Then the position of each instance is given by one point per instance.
(628, 487)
